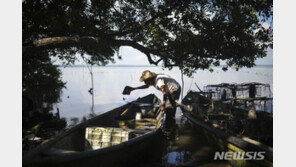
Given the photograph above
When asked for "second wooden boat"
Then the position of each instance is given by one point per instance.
(223, 140)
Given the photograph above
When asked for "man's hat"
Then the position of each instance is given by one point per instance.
(146, 75)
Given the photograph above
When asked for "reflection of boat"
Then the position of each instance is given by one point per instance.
(213, 121)
(120, 137)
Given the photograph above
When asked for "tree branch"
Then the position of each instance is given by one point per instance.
(158, 61)
(65, 42)
(140, 47)
(57, 42)
(151, 61)
(140, 26)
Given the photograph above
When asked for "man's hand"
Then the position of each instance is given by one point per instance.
(163, 90)
(162, 107)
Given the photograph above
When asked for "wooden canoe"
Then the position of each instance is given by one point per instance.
(68, 149)
(227, 142)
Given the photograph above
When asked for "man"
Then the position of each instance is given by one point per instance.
(167, 85)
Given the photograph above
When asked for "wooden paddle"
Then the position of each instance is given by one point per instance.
(126, 110)
(127, 90)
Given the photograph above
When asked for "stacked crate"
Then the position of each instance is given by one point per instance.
(102, 137)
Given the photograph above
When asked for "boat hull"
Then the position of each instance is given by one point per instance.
(226, 142)
(128, 153)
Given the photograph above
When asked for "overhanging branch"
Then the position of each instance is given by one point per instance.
(151, 61)
(66, 42)
(140, 47)
(57, 42)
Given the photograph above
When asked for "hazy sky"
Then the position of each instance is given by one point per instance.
(131, 56)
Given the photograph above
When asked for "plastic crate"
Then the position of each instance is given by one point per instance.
(102, 137)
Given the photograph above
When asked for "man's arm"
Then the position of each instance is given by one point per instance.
(165, 96)
(127, 90)
(141, 87)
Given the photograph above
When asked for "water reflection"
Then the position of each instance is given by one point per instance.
(184, 146)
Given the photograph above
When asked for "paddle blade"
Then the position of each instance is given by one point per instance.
(127, 90)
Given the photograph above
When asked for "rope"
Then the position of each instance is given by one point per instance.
(190, 84)
(89, 67)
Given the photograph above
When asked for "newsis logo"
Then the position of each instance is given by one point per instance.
(225, 155)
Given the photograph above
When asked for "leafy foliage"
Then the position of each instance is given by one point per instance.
(41, 81)
(191, 34)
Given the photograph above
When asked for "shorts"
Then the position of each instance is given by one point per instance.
(175, 96)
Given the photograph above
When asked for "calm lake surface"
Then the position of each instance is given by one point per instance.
(76, 101)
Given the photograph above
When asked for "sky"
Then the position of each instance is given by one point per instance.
(131, 56)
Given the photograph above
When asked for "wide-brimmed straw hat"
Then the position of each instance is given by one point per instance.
(146, 75)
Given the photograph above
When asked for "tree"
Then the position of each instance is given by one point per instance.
(41, 81)
(191, 34)
(41, 88)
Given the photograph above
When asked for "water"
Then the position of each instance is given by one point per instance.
(186, 147)
(76, 101)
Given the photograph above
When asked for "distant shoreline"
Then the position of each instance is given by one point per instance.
(76, 66)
